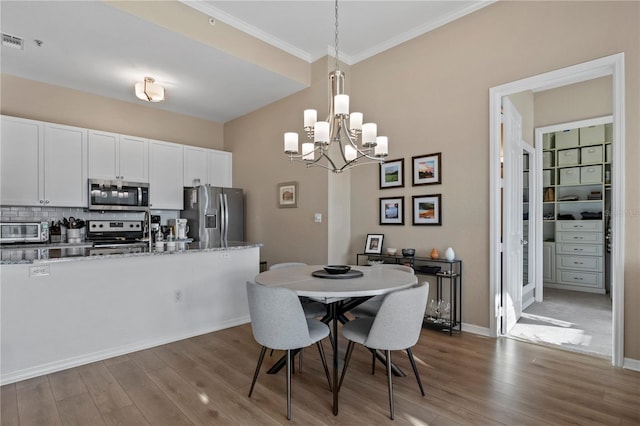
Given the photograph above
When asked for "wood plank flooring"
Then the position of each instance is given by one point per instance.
(469, 380)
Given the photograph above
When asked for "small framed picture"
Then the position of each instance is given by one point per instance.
(288, 194)
(427, 209)
(374, 244)
(427, 169)
(392, 174)
(392, 211)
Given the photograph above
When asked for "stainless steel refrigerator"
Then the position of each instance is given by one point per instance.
(215, 216)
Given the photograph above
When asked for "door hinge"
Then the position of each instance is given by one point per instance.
(499, 312)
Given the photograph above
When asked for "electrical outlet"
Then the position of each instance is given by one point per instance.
(317, 217)
(178, 295)
(39, 271)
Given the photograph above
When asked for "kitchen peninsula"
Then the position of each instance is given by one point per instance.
(60, 312)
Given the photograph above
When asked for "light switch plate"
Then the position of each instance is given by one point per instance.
(318, 217)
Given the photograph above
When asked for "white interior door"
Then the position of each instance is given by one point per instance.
(529, 220)
(512, 214)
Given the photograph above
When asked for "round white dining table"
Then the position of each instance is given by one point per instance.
(374, 281)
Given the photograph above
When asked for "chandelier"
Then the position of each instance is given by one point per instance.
(358, 142)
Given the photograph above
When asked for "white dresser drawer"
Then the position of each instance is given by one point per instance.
(579, 225)
(587, 279)
(582, 263)
(580, 249)
(579, 237)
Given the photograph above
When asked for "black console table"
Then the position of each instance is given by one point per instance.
(445, 271)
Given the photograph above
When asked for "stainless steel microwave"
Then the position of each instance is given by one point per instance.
(24, 232)
(118, 195)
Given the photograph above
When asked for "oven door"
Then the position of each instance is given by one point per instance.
(118, 195)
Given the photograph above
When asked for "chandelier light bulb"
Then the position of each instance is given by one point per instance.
(355, 121)
(307, 151)
(382, 146)
(350, 153)
(341, 103)
(291, 143)
(310, 118)
(369, 133)
(321, 132)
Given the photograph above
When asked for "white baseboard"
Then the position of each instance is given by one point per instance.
(52, 367)
(631, 364)
(470, 328)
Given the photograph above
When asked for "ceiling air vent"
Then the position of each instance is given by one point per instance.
(12, 41)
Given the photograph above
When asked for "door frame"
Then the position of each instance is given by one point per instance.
(534, 233)
(612, 65)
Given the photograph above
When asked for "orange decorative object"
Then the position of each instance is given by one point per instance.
(434, 253)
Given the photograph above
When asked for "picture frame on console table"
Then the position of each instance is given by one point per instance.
(374, 244)
(427, 210)
(427, 169)
(392, 211)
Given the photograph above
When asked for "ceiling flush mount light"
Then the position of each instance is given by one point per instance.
(149, 91)
(344, 129)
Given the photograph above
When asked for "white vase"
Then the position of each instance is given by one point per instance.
(449, 254)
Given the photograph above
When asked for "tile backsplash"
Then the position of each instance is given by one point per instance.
(49, 214)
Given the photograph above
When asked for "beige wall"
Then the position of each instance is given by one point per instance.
(431, 95)
(40, 101)
(256, 140)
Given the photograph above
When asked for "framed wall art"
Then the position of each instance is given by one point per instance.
(288, 194)
(374, 244)
(427, 169)
(392, 174)
(392, 211)
(427, 209)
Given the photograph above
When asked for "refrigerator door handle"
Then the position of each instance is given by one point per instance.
(226, 218)
(222, 216)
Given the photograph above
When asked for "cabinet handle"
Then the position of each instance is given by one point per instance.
(577, 249)
(578, 263)
(41, 201)
(46, 202)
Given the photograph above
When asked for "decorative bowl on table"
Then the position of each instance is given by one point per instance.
(392, 251)
(372, 262)
(408, 252)
(337, 269)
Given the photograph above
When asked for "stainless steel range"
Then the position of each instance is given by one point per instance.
(113, 233)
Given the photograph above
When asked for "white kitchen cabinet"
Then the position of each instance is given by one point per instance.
(43, 164)
(21, 157)
(196, 165)
(210, 166)
(220, 169)
(166, 175)
(114, 156)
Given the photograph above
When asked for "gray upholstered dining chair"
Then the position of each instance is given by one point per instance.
(278, 322)
(396, 326)
(311, 309)
(370, 307)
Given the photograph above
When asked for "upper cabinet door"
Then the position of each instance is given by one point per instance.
(220, 169)
(20, 161)
(196, 166)
(103, 155)
(114, 156)
(134, 159)
(166, 175)
(65, 166)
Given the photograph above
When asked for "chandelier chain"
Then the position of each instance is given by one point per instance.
(336, 36)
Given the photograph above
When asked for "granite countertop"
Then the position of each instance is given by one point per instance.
(37, 253)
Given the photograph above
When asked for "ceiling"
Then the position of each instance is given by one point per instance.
(97, 48)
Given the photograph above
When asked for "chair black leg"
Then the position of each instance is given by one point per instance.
(373, 362)
(255, 375)
(415, 370)
(324, 362)
(389, 379)
(288, 384)
(347, 358)
(300, 361)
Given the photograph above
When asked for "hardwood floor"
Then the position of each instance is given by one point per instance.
(469, 380)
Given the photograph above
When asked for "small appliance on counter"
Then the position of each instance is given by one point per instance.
(180, 228)
(24, 232)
